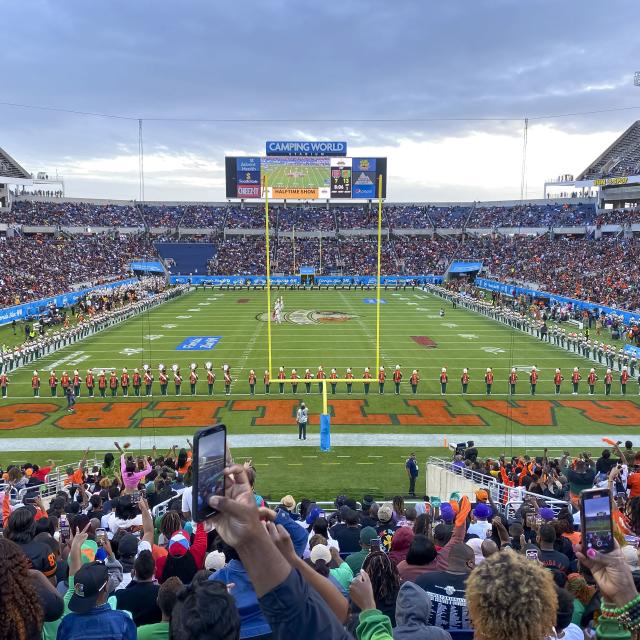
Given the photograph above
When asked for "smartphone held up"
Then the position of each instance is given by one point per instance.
(209, 449)
(596, 520)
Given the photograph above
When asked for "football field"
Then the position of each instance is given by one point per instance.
(292, 175)
(371, 434)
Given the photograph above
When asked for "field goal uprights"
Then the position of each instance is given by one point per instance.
(268, 270)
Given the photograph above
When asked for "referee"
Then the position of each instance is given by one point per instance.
(302, 418)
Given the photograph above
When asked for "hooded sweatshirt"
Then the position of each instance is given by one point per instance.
(402, 539)
(413, 607)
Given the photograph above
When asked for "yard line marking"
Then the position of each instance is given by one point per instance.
(329, 463)
(374, 456)
(294, 464)
(309, 456)
(343, 456)
(364, 462)
(274, 457)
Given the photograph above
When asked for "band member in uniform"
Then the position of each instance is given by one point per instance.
(382, 376)
(113, 383)
(35, 384)
(444, 378)
(4, 381)
(177, 378)
(624, 378)
(575, 379)
(137, 381)
(397, 379)
(76, 384)
(320, 376)
(367, 376)
(193, 378)
(557, 380)
(333, 376)
(308, 377)
(267, 381)
(608, 379)
(163, 379)
(464, 379)
(413, 381)
(294, 385)
(591, 381)
(533, 380)
(349, 379)
(488, 380)
(281, 378)
(64, 382)
(148, 380)
(53, 384)
(90, 382)
(124, 382)
(227, 379)
(513, 379)
(102, 384)
(211, 377)
(252, 382)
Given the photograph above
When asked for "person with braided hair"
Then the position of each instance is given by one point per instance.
(385, 581)
(27, 598)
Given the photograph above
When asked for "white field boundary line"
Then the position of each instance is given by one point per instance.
(275, 440)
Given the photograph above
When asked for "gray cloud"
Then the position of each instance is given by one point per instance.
(305, 60)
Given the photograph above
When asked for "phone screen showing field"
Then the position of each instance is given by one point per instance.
(597, 519)
(211, 460)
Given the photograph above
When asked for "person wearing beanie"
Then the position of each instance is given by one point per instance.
(481, 514)
(183, 559)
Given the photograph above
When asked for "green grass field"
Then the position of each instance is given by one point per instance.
(372, 434)
(292, 175)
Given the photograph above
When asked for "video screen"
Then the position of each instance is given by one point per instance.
(597, 523)
(211, 463)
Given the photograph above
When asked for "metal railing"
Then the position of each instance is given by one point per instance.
(507, 500)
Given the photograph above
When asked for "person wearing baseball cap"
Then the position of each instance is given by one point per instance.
(91, 616)
(367, 536)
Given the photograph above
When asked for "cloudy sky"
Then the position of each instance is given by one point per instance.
(425, 83)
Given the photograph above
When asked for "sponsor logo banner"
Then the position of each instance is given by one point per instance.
(198, 343)
(293, 193)
(306, 148)
(248, 191)
(363, 191)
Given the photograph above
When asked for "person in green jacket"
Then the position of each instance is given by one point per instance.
(355, 560)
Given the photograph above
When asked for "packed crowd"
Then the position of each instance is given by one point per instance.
(307, 217)
(37, 266)
(72, 214)
(96, 563)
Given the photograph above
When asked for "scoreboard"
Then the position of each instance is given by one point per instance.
(305, 177)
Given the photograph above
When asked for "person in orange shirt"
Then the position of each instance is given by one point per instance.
(76, 477)
(252, 382)
(633, 481)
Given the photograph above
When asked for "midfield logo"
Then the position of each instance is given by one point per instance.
(311, 316)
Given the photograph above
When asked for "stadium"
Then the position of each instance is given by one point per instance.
(412, 388)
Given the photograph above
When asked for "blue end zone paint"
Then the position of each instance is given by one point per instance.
(198, 343)
(373, 301)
